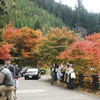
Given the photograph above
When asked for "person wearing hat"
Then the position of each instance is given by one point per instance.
(71, 80)
(6, 82)
(67, 74)
(10, 66)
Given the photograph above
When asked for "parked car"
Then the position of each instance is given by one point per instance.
(32, 73)
(43, 72)
(23, 71)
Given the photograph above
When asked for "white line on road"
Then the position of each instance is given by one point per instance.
(31, 91)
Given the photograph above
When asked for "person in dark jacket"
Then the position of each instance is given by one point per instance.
(6, 82)
(53, 73)
(17, 71)
(10, 67)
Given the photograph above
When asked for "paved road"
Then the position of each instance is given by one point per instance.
(42, 90)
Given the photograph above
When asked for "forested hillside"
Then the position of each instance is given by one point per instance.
(27, 13)
(43, 14)
(77, 18)
(3, 13)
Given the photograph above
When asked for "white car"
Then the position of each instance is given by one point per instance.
(32, 73)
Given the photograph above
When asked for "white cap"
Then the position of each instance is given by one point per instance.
(70, 65)
(67, 63)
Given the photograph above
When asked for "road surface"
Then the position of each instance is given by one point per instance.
(42, 90)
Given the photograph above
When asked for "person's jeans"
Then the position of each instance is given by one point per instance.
(15, 92)
(8, 90)
(53, 78)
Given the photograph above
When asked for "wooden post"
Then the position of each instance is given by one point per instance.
(81, 80)
(95, 82)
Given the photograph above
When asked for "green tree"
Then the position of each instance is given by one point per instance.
(27, 13)
(37, 25)
(3, 13)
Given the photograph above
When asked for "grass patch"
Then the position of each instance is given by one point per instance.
(88, 91)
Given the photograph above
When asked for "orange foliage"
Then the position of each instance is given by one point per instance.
(62, 35)
(25, 39)
(5, 50)
(9, 33)
(85, 50)
(56, 41)
(88, 50)
(93, 38)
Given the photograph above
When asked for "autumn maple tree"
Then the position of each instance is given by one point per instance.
(84, 54)
(56, 41)
(24, 41)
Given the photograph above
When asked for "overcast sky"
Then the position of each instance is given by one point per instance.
(90, 5)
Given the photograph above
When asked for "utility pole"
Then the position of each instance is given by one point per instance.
(78, 19)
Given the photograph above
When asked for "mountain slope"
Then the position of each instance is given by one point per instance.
(27, 13)
(78, 19)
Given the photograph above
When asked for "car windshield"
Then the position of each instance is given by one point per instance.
(24, 69)
(31, 71)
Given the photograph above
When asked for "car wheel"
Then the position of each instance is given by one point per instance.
(21, 75)
(26, 78)
(38, 77)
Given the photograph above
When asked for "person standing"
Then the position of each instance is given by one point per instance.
(59, 74)
(53, 73)
(6, 82)
(17, 71)
(63, 70)
(71, 80)
(10, 67)
(67, 75)
(15, 86)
